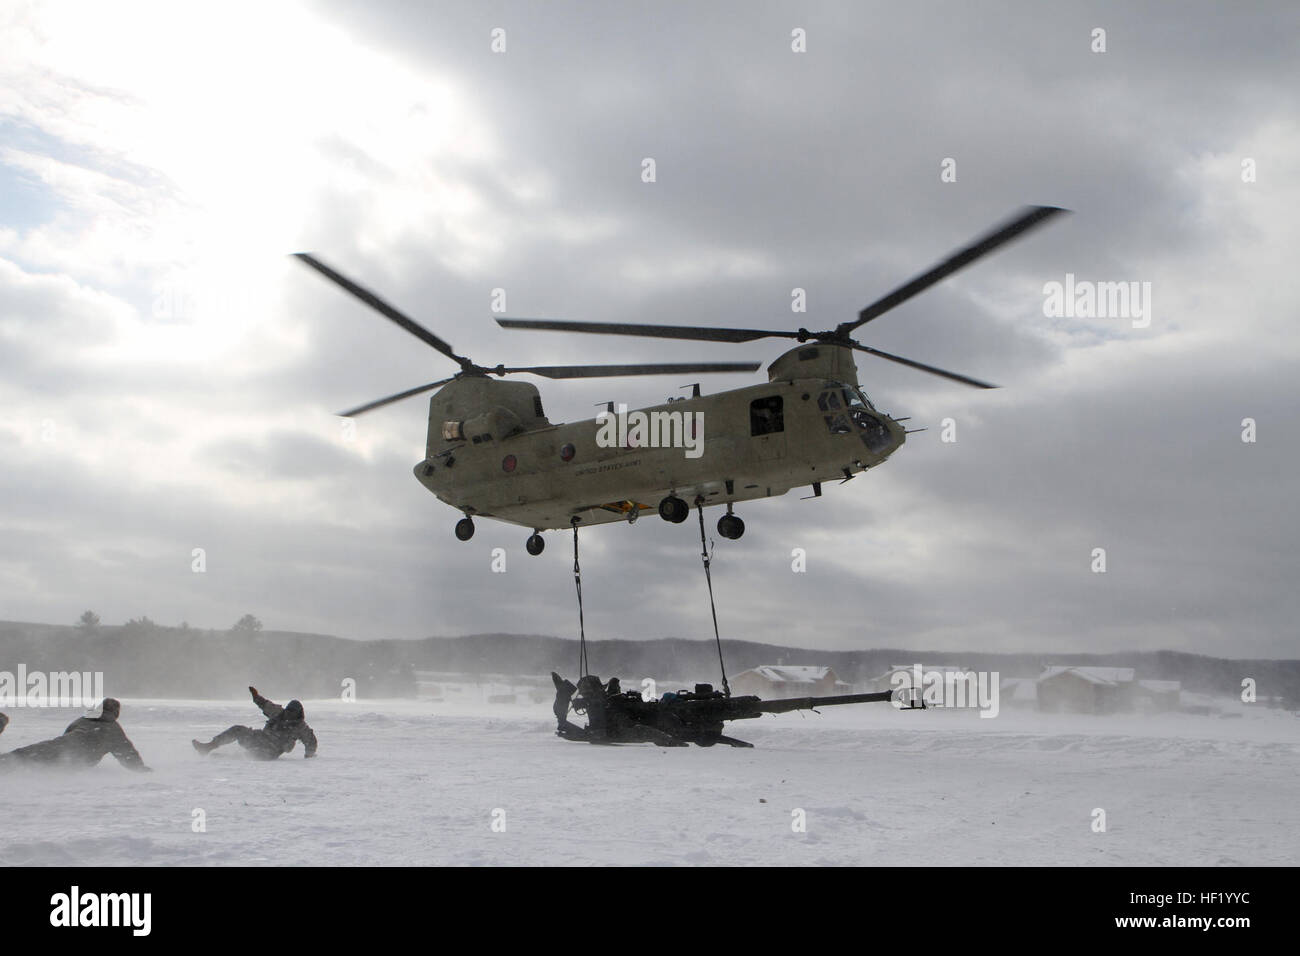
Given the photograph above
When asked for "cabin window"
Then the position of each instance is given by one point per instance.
(451, 431)
(766, 416)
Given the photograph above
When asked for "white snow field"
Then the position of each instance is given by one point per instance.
(417, 783)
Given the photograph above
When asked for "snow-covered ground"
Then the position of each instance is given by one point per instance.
(418, 782)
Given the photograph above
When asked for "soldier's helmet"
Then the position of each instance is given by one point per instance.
(293, 709)
(112, 709)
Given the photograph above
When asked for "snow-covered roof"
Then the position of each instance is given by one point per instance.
(1106, 676)
(792, 673)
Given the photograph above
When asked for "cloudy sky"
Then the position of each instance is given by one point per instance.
(168, 375)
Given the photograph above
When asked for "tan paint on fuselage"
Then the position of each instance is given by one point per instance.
(544, 492)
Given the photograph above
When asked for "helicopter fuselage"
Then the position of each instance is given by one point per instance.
(492, 453)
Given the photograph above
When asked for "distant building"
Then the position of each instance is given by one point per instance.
(781, 681)
(1160, 695)
(1203, 705)
(1087, 690)
(1018, 692)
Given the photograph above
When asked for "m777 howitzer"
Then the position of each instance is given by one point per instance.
(676, 720)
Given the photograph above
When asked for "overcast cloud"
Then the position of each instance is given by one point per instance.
(168, 374)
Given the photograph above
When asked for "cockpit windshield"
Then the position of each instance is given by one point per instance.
(836, 396)
(847, 410)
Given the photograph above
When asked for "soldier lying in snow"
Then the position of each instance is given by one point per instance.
(285, 726)
(84, 744)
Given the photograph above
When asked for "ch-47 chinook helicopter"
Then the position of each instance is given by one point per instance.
(492, 453)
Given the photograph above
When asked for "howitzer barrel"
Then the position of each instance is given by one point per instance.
(808, 703)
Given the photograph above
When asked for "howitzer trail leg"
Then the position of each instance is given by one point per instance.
(653, 735)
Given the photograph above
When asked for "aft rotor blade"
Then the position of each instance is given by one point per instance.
(371, 406)
(1031, 217)
(601, 371)
(964, 379)
(696, 332)
(383, 308)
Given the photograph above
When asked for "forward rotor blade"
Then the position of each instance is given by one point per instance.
(965, 380)
(371, 406)
(697, 332)
(601, 371)
(1032, 216)
(383, 308)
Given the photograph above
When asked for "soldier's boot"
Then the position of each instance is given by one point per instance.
(202, 747)
(732, 741)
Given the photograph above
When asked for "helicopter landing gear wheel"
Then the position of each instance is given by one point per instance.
(674, 509)
(730, 526)
(465, 529)
(535, 544)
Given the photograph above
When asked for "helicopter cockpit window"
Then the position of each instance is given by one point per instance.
(766, 416)
(875, 435)
(848, 410)
(838, 424)
(836, 395)
(829, 400)
(854, 398)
